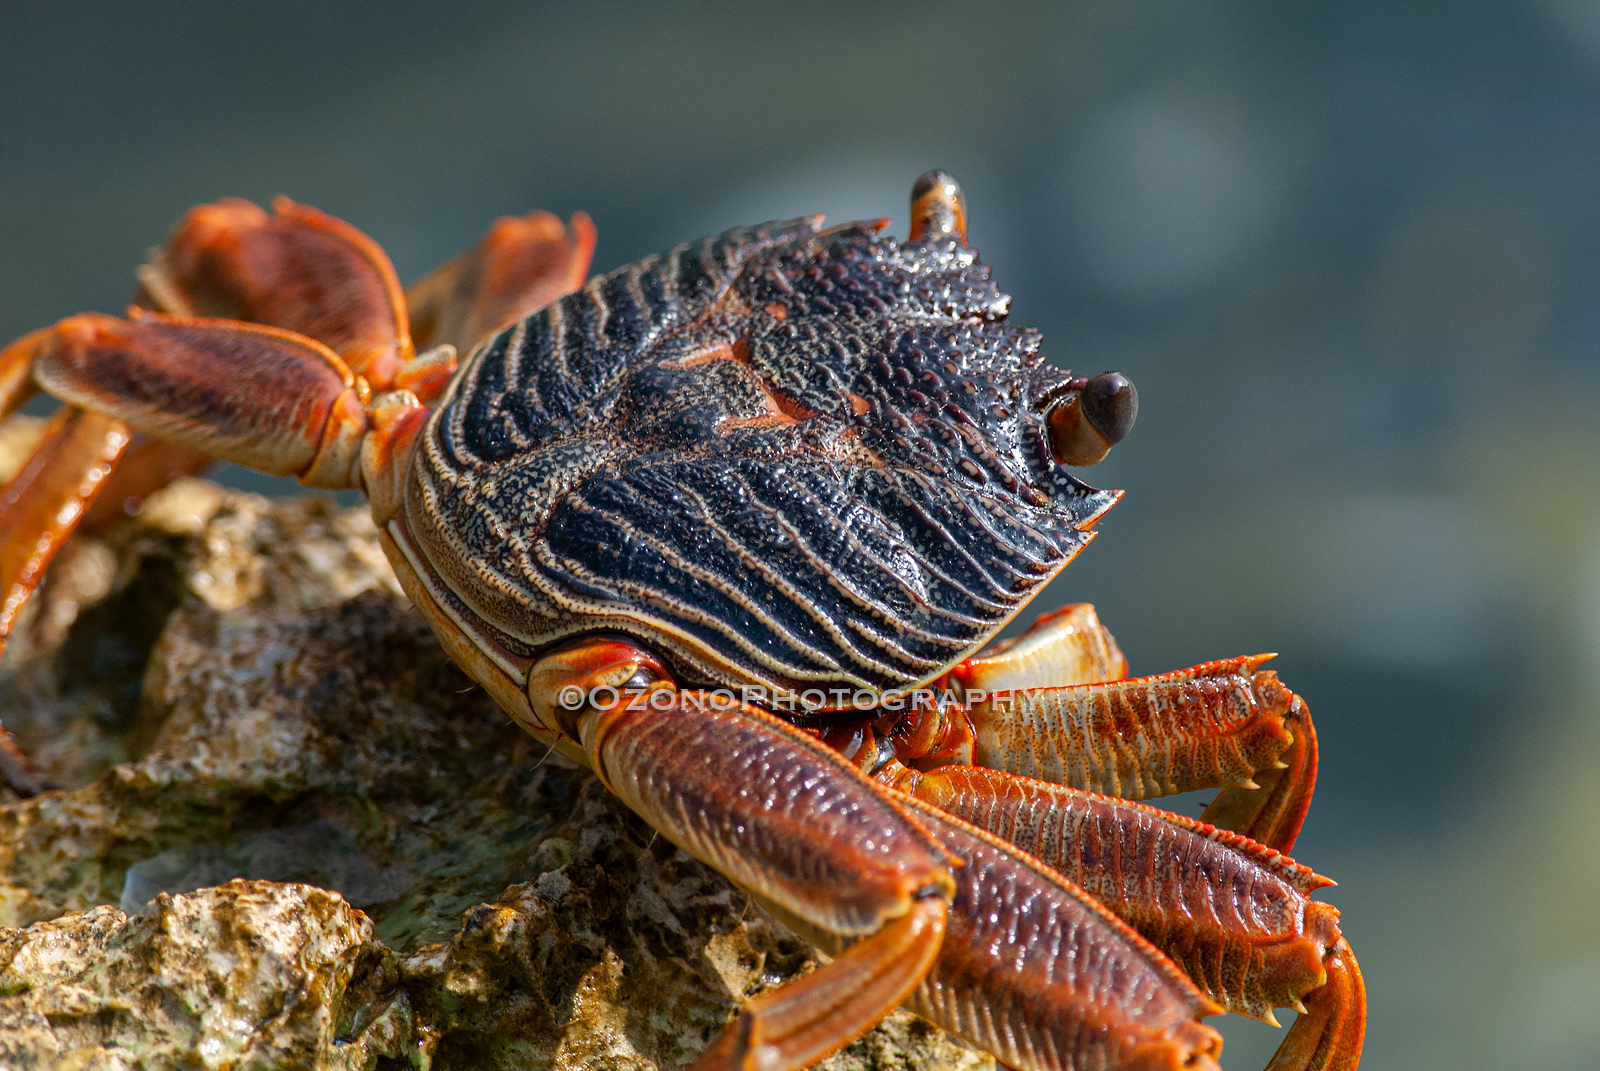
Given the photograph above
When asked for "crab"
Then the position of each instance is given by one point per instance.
(736, 527)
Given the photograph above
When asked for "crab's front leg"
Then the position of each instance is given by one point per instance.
(1056, 704)
(918, 905)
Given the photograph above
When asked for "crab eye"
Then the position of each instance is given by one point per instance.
(1086, 424)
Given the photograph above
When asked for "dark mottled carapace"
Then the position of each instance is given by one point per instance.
(782, 456)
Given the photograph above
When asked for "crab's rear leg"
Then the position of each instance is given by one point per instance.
(297, 269)
(263, 397)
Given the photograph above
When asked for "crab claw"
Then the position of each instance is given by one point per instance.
(1087, 423)
(938, 208)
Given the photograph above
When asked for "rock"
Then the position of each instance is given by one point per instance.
(247, 975)
(231, 688)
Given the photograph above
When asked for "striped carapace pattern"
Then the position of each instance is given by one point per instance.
(783, 456)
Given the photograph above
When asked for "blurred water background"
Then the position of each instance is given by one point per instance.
(1348, 250)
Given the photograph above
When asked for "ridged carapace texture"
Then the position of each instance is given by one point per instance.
(783, 456)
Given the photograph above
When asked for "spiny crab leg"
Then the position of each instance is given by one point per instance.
(1224, 724)
(1038, 973)
(853, 866)
(1234, 914)
(780, 814)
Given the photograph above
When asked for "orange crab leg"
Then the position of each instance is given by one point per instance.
(298, 269)
(39, 510)
(278, 402)
(41, 506)
(1328, 1034)
(1064, 647)
(521, 265)
(780, 814)
(1274, 812)
(797, 1024)
(1026, 964)
(1214, 725)
(1222, 723)
(1036, 972)
(1234, 914)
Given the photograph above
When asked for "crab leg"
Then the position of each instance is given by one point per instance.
(1036, 972)
(38, 511)
(1070, 647)
(1064, 647)
(521, 265)
(1025, 959)
(307, 272)
(779, 813)
(1214, 725)
(1054, 704)
(1234, 914)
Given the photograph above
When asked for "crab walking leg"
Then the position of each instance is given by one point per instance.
(40, 507)
(39, 510)
(299, 269)
(1037, 973)
(1273, 813)
(1328, 1033)
(1234, 914)
(1211, 726)
(270, 399)
(1069, 648)
(806, 1020)
(788, 819)
(778, 813)
(521, 265)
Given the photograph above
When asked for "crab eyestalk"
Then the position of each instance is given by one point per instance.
(938, 208)
(1088, 422)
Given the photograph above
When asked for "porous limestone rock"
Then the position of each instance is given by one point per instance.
(330, 849)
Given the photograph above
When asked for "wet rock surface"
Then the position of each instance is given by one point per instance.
(327, 847)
